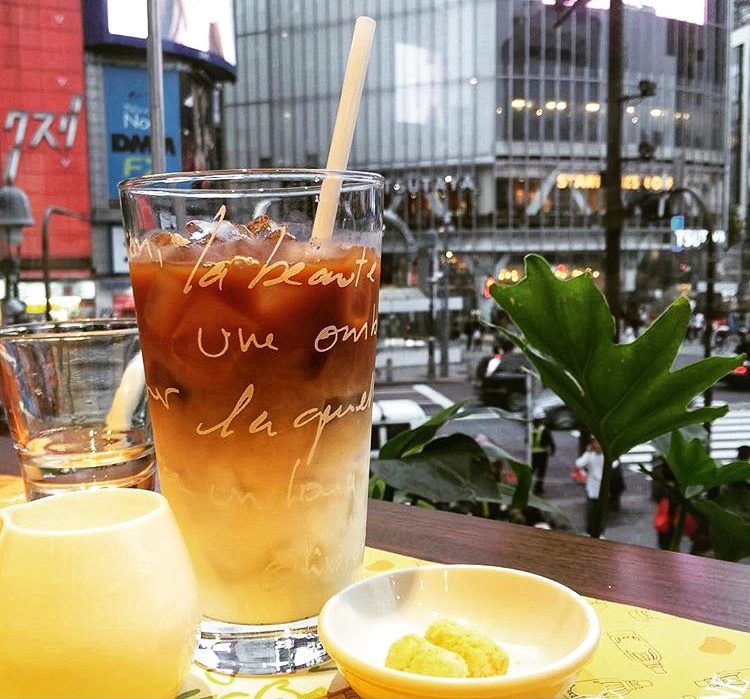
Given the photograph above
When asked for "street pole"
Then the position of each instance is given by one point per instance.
(156, 88)
(431, 239)
(707, 221)
(48, 214)
(445, 325)
(710, 280)
(613, 217)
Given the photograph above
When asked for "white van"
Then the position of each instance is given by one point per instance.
(391, 417)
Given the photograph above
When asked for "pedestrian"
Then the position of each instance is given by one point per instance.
(743, 347)
(668, 510)
(542, 447)
(592, 462)
(697, 324)
(477, 336)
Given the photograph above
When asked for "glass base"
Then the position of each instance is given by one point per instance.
(267, 649)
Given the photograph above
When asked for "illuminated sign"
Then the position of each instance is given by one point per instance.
(692, 238)
(593, 180)
(693, 11)
(129, 123)
(198, 29)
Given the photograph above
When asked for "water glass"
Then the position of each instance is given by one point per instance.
(75, 400)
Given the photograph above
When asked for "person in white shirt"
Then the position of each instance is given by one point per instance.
(592, 462)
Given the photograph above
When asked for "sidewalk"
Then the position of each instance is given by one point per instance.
(409, 365)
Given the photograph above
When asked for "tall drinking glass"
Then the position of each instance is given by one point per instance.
(259, 350)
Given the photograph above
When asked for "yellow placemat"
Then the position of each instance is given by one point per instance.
(642, 653)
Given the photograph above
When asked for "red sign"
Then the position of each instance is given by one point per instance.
(42, 123)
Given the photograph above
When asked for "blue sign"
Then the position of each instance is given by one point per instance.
(677, 223)
(129, 123)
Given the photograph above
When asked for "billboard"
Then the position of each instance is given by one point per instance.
(129, 124)
(693, 11)
(198, 29)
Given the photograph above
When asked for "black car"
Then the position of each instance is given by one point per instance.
(740, 377)
(501, 381)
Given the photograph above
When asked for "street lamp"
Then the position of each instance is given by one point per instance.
(707, 221)
(15, 214)
(48, 214)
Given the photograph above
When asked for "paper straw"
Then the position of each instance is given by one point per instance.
(343, 129)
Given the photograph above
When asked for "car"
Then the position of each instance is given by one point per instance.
(557, 415)
(500, 381)
(740, 377)
(391, 417)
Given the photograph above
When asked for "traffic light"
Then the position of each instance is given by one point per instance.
(647, 88)
(646, 150)
(651, 205)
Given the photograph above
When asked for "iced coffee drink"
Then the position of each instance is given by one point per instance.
(259, 348)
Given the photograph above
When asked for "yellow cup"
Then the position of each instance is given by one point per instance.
(97, 597)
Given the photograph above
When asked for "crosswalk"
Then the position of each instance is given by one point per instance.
(727, 434)
(430, 400)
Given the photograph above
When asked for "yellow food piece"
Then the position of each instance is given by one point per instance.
(483, 656)
(412, 653)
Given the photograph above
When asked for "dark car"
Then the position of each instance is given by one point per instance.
(557, 415)
(501, 381)
(740, 377)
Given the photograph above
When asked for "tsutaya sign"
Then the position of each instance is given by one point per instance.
(593, 180)
(693, 11)
(694, 238)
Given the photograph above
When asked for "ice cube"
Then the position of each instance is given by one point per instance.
(280, 232)
(260, 227)
(225, 231)
(265, 228)
(169, 240)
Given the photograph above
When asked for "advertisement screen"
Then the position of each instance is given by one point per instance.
(693, 11)
(129, 124)
(198, 29)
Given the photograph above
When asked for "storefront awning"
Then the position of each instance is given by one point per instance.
(411, 299)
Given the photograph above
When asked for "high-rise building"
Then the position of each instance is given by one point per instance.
(739, 133)
(489, 122)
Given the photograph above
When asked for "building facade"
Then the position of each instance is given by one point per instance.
(489, 123)
(43, 143)
(74, 121)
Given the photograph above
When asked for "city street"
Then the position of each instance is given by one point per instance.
(633, 523)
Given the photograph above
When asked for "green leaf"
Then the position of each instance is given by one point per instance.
(626, 394)
(448, 469)
(694, 469)
(376, 488)
(691, 464)
(736, 472)
(413, 441)
(730, 535)
(663, 442)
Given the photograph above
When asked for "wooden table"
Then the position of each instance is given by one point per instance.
(688, 586)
